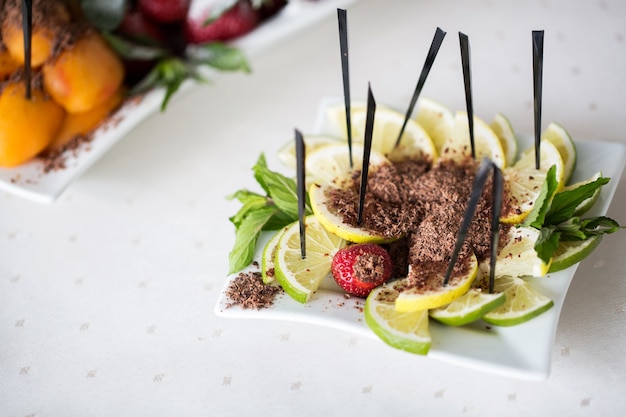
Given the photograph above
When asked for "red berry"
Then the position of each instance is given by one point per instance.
(165, 11)
(236, 21)
(358, 269)
(138, 28)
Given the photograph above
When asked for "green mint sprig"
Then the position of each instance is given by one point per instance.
(272, 211)
(554, 215)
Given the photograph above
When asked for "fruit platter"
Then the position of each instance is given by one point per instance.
(510, 331)
(97, 70)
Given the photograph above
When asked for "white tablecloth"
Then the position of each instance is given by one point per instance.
(107, 296)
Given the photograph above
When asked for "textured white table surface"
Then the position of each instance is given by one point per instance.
(107, 295)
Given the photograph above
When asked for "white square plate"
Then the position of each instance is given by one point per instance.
(29, 180)
(522, 351)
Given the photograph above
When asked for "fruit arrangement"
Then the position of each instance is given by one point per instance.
(396, 258)
(87, 57)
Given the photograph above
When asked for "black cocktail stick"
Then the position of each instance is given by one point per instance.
(467, 80)
(496, 210)
(367, 147)
(343, 47)
(477, 189)
(301, 189)
(27, 28)
(430, 59)
(537, 84)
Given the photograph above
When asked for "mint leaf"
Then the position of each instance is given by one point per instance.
(547, 243)
(219, 56)
(281, 189)
(246, 237)
(536, 217)
(599, 226)
(564, 203)
(258, 169)
(250, 205)
(129, 50)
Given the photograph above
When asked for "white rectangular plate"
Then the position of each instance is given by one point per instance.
(522, 351)
(29, 180)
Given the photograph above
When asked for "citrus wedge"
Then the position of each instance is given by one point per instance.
(287, 153)
(333, 222)
(434, 295)
(522, 303)
(501, 126)
(331, 163)
(571, 252)
(406, 331)
(298, 276)
(523, 181)
(559, 137)
(436, 119)
(335, 116)
(518, 256)
(415, 143)
(469, 307)
(267, 258)
(487, 144)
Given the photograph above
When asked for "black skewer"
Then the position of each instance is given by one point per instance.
(477, 189)
(467, 80)
(496, 210)
(430, 59)
(367, 147)
(537, 87)
(343, 47)
(27, 28)
(301, 189)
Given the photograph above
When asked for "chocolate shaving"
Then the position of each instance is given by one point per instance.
(248, 291)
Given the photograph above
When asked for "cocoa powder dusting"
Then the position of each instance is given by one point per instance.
(369, 267)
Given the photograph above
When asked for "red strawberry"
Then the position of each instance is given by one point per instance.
(165, 11)
(358, 269)
(234, 22)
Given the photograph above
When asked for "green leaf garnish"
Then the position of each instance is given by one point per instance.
(553, 215)
(275, 210)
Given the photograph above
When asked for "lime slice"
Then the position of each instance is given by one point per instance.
(518, 256)
(334, 223)
(405, 331)
(287, 153)
(586, 205)
(522, 303)
(331, 163)
(301, 277)
(267, 258)
(469, 307)
(571, 252)
(435, 295)
(559, 137)
(436, 119)
(415, 143)
(487, 144)
(501, 126)
(523, 181)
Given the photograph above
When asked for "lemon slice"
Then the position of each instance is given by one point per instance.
(586, 205)
(415, 143)
(523, 302)
(469, 307)
(571, 252)
(486, 142)
(287, 153)
(523, 181)
(331, 163)
(518, 256)
(415, 299)
(405, 331)
(301, 277)
(335, 116)
(436, 119)
(559, 137)
(267, 258)
(501, 126)
(334, 223)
